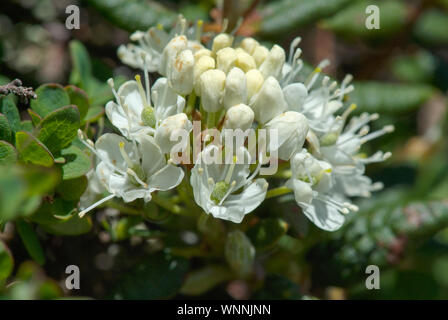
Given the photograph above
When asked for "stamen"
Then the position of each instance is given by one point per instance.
(379, 133)
(96, 204)
(141, 90)
(199, 30)
(135, 176)
(232, 185)
(225, 25)
(230, 170)
(126, 158)
(292, 48)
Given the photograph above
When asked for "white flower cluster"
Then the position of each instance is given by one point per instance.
(236, 84)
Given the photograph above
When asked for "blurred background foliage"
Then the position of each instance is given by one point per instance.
(401, 72)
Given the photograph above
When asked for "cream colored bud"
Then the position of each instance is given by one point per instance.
(254, 80)
(194, 46)
(249, 45)
(269, 101)
(239, 117)
(181, 73)
(273, 64)
(203, 64)
(222, 40)
(168, 132)
(170, 52)
(212, 89)
(245, 61)
(203, 52)
(260, 53)
(295, 95)
(291, 130)
(226, 59)
(235, 91)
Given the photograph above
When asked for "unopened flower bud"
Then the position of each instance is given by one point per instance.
(226, 59)
(221, 41)
(200, 53)
(249, 45)
(244, 61)
(169, 131)
(273, 64)
(239, 252)
(170, 52)
(181, 73)
(292, 129)
(235, 91)
(260, 53)
(212, 84)
(239, 117)
(203, 64)
(295, 95)
(269, 101)
(254, 80)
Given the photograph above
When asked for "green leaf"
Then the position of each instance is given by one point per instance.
(78, 98)
(5, 129)
(72, 189)
(267, 232)
(49, 98)
(200, 281)
(389, 98)
(70, 227)
(9, 109)
(283, 16)
(32, 150)
(416, 67)
(431, 28)
(30, 241)
(239, 252)
(59, 128)
(6, 262)
(12, 192)
(77, 163)
(59, 210)
(82, 67)
(27, 125)
(8, 153)
(159, 276)
(133, 15)
(35, 118)
(351, 21)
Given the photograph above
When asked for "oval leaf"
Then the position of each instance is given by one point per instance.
(32, 150)
(49, 98)
(59, 128)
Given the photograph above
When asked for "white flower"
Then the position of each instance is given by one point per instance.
(132, 170)
(269, 101)
(151, 44)
(132, 113)
(343, 152)
(169, 131)
(93, 192)
(292, 129)
(312, 184)
(216, 186)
